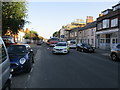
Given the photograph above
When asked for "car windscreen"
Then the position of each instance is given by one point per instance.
(61, 44)
(89, 46)
(72, 42)
(17, 49)
(54, 39)
(118, 46)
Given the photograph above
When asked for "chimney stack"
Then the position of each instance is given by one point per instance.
(89, 19)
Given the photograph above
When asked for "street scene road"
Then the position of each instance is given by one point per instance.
(71, 44)
(73, 70)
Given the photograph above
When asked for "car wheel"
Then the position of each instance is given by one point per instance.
(8, 85)
(68, 52)
(77, 49)
(114, 57)
(33, 60)
(7, 88)
(28, 67)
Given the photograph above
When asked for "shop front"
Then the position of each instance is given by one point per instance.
(107, 39)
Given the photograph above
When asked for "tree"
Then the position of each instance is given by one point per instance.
(13, 16)
(55, 34)
(32, 35)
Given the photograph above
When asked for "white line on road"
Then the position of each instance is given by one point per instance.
(31, 70)
(27, 81)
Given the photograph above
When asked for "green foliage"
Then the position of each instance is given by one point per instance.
(55, 34)
(32, 35)
(13, 16)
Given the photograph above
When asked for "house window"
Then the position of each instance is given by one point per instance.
(106, 23)
(92, 32)
(92, 41)
(99, 26)
(114, 22)
(75, 33)
(116, 8)
(88, 41)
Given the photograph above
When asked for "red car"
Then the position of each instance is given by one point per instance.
(53, 41)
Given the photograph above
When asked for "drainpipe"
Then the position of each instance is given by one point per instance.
(119, 42)
(77, 35)
(119, 31)
(0, 18)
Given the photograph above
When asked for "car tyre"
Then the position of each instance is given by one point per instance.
(33, 60)
(114, 57)
(8, 85)
(77, 49)
(28, 67)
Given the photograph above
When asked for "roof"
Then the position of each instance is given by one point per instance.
(90, 25)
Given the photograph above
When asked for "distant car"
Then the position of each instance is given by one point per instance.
(72, 44)
(5, 76)
(83, 47)
(8, 40)
(115, 52)
(61, 47)
(39, 43)
(21, 58)
(53, 41)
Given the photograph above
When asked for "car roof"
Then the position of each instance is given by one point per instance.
(19, 44)
(61, 42)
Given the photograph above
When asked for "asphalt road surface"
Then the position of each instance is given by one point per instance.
(73, 70)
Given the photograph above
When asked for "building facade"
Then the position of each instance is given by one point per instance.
(62, 34)
(107, 27)
(87, 34)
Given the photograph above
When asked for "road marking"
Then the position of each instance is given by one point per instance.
(33, 65)
(31, 70)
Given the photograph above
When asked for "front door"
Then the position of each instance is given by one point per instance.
(113, 42)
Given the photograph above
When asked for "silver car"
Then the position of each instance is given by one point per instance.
(115, 52)
(5, 76)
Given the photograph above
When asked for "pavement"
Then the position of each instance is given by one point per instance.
(103, 52)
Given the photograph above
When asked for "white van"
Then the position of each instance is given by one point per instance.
(5, 76)
(71, 44)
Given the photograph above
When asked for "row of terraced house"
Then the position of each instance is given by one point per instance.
(102, 33)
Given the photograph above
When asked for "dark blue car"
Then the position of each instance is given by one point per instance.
(21, 58)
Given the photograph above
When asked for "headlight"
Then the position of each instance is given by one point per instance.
(22, 60)
(65, 49)
(54, 49)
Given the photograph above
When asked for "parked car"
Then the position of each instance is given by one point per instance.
(115, 52)
(83, 47)
(5, 76)
(8, 40)
(52, 41)
(72, 44)
(21, 57)
(61, 47)
(39, 43)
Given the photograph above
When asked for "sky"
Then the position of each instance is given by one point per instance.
(48, 17)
